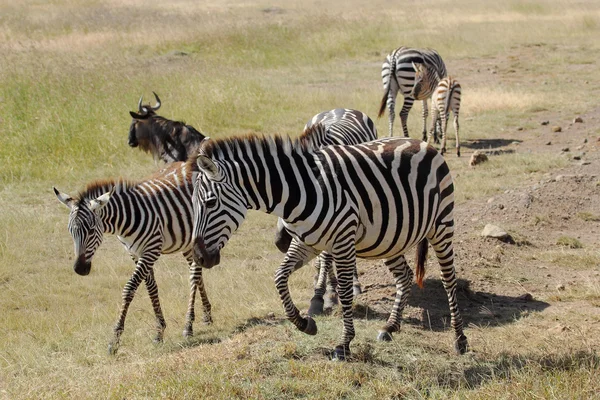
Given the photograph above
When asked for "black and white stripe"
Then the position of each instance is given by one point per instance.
(445, 98)
(150, 217)
(398, 74)
(337, 126)
(375, 200)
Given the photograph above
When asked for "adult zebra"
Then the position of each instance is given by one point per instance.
(398, 74)
(337, 126)
(150, 218)
(445, 98)
(374, 200)
(166, 140)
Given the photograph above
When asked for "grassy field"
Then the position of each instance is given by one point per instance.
(70, 71)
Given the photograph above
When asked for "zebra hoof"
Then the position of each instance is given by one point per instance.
(356, 290)
(458, 153)
(311, 327)
(188, 332)
(112, 349)
(384, 336)
(340, 353)
(207, 320)
(461, 345)
(158, 339)
(316, 306)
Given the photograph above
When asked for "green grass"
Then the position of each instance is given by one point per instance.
(70, 72)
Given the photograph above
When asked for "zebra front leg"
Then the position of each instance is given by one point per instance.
(456, 130)
(196, 284)
(345, 264)
(403, 277)
(153, 293)
(442, 245)
(444, 123)
(131, 286)
(425, 114)
(297, 255)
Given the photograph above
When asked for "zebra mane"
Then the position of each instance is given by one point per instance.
(226, 148)
(98, 187)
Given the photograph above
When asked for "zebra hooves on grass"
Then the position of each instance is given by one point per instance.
(461, 345)
(112, 348)
(316, 305)
(311, 327)
(341, 353)
(188, 331)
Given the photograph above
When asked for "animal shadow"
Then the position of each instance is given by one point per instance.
(487, 144)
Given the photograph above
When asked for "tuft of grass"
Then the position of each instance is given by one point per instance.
(570, 242)
(587, 216)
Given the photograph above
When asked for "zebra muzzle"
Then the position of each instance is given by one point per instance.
(203, 257)
(82, 266)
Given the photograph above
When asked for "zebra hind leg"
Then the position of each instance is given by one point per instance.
(196, 284)
(321, 296)
(153, 293)
(403, 277)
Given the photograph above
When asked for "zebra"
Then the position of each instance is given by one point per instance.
(166, 140)
(374, 200)
(398, 74)
(337, 126)
(150, 217)
(446, 97)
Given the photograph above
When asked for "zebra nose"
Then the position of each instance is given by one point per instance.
(82, 266)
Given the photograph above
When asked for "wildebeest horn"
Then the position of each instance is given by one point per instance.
(157, 105)
(140, 105)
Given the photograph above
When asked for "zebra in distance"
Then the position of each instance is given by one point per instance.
(445, 98)
(375, 200)
(337, 126)
(150, 218)
(166, 140)
(398, 74)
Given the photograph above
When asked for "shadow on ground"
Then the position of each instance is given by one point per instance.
(485, 144)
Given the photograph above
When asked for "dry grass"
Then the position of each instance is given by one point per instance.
(70, 72)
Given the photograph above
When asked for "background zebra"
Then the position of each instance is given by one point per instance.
(150, 218)
(398, 74)
(338, 126)
(165, 139)
(374, 200)
(446, 97)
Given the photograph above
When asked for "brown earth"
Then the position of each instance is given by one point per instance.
(502, 281)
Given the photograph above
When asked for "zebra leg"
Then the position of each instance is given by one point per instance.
(345, 264)
(196, 284)
(406, 106)
(456, 130)
(325, 267)
(356, 287)
(403, 277)
(444, 123)
(425, 114)
(441, 242)
(297, 255)
(434, 119)
(139, 275)
(153, 293)
(391, 104)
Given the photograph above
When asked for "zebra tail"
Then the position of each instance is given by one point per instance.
(421, 258)
(383, 103)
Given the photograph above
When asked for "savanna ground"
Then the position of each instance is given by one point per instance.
(71, 70)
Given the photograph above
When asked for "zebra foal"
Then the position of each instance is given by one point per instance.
(445, 98)
(375, 200)
(398, 75)
(150, 218)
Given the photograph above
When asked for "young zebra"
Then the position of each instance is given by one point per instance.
(166, 140)
(150, 217)
(338, 126)
(398, 74)
(374, 200)
(446, 97)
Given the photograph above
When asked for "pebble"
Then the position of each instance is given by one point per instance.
(565, 149)
(556, 129)
(519, 128)
(494, 231)
(560, 286)
(548, 143)
(578, 120)
(544, 122)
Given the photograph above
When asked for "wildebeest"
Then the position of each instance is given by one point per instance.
(165, 139)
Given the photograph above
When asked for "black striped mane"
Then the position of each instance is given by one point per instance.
(98, 187)
(227, 148)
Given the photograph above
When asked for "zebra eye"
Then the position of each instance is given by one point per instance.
(210, 203)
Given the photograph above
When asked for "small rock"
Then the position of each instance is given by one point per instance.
(578, 120)
(519, 128)
(585, 140)
(477, 158)
(565, 149)
(525, 297)
(580, 147)
(544, 122)
(548, 143)
(577, 157)
(585, 163)
(494, 231)
(490, 200)
(501, 206)
(560, 286)
(556, 129)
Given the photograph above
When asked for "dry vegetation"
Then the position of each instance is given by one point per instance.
(70, 70)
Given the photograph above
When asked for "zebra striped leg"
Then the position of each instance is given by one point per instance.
(406, 106)
(456, 130)
(403, 276)
(442, 245)
(345, 264)
(153, 293)
(322, 295)
(444, 123)
(196, 284)
(297, 255)
(139, 275)
(425, 114)
(391, 105)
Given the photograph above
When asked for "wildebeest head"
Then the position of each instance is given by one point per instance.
(140, 122)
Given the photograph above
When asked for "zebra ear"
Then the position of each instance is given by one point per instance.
(417, 67)
(101, 201)
(64, 198)
(208, 167)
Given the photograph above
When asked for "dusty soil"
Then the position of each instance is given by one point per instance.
(501, 281)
